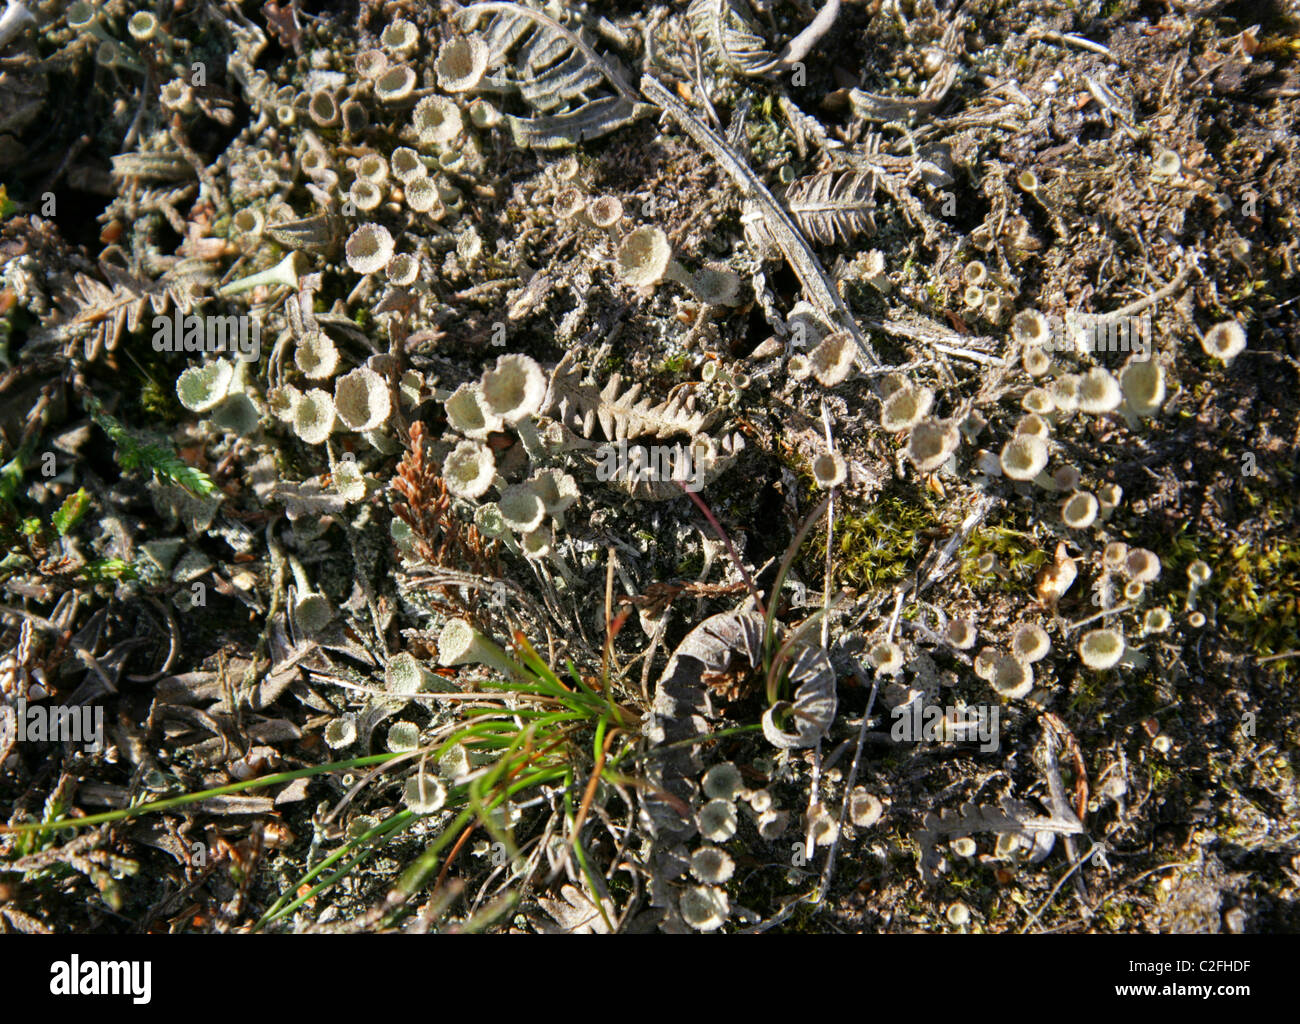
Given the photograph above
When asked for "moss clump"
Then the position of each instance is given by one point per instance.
(1018, 559)
(878, 543)
(672, 365)
(1255, 583)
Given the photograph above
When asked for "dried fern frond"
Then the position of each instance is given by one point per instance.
(555, 71)
(833, 207)
(726, 28)
(99, 314)
(621, 416)
(729, 32)
(576, 914)
(1014, 817)
(872, 106)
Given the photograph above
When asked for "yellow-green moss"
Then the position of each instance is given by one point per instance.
(1019, 558)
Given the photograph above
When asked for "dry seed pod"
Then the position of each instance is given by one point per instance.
(1056, 578)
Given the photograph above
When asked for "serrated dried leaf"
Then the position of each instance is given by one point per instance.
(555, 71)
(1009, 816)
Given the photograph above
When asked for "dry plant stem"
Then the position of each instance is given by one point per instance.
(607, 653)
(1061, 807)
(801, 45)
(1096, 848)
(1072, 626)
(828, 872)
(1156, 296)
(830, 537)
(1072, 40)
(968, 526)
(731, 549)
(793, 245)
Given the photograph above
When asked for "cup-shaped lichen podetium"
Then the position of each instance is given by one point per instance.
(201, 388)
(369, 248)
(361, 399)
(1024, 457)
(469, 470)
(462, 63)
(514, 388)
(1101, 649)
(459, 643)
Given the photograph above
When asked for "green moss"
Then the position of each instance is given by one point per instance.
(673, 364)
(690, 567)
(1255, 584)
(879, 543)
(1018, 554)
